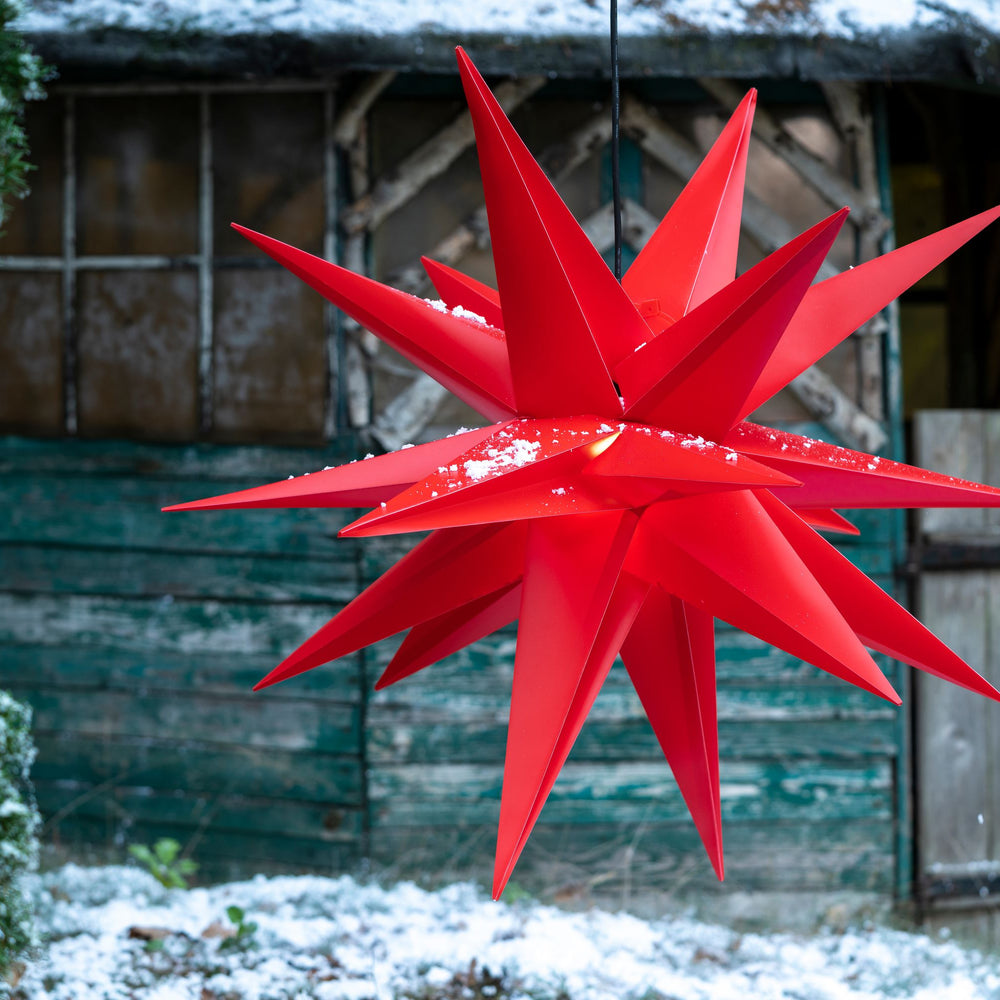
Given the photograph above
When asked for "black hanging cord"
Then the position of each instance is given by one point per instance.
(616, 187)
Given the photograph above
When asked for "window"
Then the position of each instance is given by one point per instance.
(130, 308)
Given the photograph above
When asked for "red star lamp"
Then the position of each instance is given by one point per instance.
(620, 500)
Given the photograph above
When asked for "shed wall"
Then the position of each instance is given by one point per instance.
(137, 635)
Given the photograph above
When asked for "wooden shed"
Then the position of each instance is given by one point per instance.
(148, 355)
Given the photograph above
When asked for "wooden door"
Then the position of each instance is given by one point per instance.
(957, 734)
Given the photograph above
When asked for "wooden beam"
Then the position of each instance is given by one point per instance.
(850, 111)
(406, 416)
(676, 152)
(816, 391)
(352, 115)
(866, 212)
(559, 161)
(821, 396)
(428, 161)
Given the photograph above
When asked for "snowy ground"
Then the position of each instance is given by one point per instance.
(337, 938)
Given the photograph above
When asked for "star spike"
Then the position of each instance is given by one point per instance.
(549, 276)
(692, 253)
(750, 576)
(446, 570)
(358, 484)
(697, 378)
(439, 637)
(626, 600)
(571, 572)
(832, 476)
(879, 622)
(670, 657)
(827, 520)
(833, 309)
(526, 470)
(457, 289)
(467, 358)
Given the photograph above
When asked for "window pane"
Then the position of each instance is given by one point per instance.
(34, 225)
(138, 342)
(270, 357)
(267, 152)
(137, 171)
(30, 352)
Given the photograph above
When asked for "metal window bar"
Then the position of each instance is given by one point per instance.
(69, 386)
(206, 328)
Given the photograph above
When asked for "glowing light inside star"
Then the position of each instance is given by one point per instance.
(620, 502)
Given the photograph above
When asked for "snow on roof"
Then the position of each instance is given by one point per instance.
(376, 32)
(520, 18)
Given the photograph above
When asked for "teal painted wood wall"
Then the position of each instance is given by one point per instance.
(137, 635)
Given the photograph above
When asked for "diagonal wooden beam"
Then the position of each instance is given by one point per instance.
(866, 212)
(559, 160)
(428, 161)
(680, 155)
(816, 391)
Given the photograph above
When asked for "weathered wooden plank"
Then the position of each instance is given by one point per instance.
(192, 673)
(433, 740)
(819, 394)
(421, 795)
(304, 725)
(661, 857)
(34, 456)
(479, 695)
(198, 768)
(958, 787)
(221, 855)
(181, 626)
(42, 569)
(356, 107)
(815, 171)
(953, 442)
(219, 810)
(125, 513)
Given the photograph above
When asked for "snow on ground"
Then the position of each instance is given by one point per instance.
(338, 939)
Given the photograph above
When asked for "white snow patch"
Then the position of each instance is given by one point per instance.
(334, 939)
(514, 455)
(527, 18)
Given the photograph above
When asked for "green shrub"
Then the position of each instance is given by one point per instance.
(19, 823)
(21, 76)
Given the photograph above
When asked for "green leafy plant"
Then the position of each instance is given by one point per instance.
(22, 74)
(163, 862)
(19, 824)
(245, 930)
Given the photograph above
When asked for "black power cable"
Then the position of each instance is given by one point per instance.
(616, 190)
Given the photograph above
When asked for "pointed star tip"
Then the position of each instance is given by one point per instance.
(189, 505)
(987, 690)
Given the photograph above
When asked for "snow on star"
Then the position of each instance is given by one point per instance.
(620, 501)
